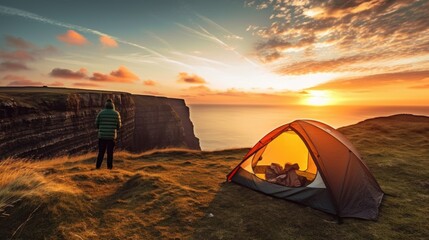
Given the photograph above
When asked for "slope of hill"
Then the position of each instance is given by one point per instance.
(181, 194)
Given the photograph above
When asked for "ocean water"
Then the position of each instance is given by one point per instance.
(235, 126)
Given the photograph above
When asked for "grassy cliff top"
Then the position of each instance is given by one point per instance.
(32, 96)
(179, 194)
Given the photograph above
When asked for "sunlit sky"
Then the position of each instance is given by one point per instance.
(223, 52)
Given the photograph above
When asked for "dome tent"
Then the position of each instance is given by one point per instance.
(337, 181)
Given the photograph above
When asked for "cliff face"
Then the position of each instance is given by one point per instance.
(157, 120)
(47, 122)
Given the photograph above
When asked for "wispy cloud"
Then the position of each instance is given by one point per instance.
(228, 34)
(33, 16)
(162, 40)
(205, 34)
(199, 58)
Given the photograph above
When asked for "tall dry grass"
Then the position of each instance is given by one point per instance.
(17, 180)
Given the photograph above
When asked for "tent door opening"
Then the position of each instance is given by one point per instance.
(285, 151)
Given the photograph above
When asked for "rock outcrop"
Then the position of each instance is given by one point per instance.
(47, 122)
(161, 122)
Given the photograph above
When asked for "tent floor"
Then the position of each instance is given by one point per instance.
(260, 170)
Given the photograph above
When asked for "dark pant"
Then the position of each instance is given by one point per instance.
(104, 144)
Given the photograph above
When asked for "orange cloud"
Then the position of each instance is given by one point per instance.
(200, 90)
(149, 82)
(151, 92)
(23, 51)
(203, 94)
(101, 77)
(123, 74)
(424, 86)
(314, 34)
(18, 55)
(86, 84)
(188, 78)
(66, 73)
(73, 38)
(56, 84)
(108, 41)
(13, 66)
(378, 80)
(18, 43)
(20, 81)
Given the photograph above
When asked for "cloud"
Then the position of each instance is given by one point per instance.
(203, 90)
(200, 90)
(18, 55)
(123, 74)
(69, 74)
(311, 31)
(33, 16)
(149, 83)
(23, 51)
(13, 66)
(18, 43)
(424, 86)
(86, 84)
(73, 38)
(20, 81)
(203, 33)
(101, 77)
(56, 84)
(228, 34)
(331, 65)
(204, 94)
(271, 50)
(108, 41)
(376, 80)
(152, 93)
(188, 78)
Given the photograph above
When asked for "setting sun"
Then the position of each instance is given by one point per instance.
(318, 98)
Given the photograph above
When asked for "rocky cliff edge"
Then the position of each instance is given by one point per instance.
(38, 122)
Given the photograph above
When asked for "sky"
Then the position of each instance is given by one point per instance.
(275, 52)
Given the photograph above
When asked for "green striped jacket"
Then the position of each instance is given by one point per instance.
(108, 121)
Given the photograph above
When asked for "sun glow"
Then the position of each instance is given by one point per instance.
(318, 98)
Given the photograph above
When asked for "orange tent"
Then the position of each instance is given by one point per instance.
(327, 174)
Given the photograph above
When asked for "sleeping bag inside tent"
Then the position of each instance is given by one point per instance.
(311, 163)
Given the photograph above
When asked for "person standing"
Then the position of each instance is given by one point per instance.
(108, 121)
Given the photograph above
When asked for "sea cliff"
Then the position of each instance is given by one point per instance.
(46, 122)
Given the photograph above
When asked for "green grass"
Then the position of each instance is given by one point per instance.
(178, 194)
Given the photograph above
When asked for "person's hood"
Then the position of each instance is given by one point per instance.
(109, 104)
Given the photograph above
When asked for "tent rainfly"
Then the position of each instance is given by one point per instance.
(311, 163)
